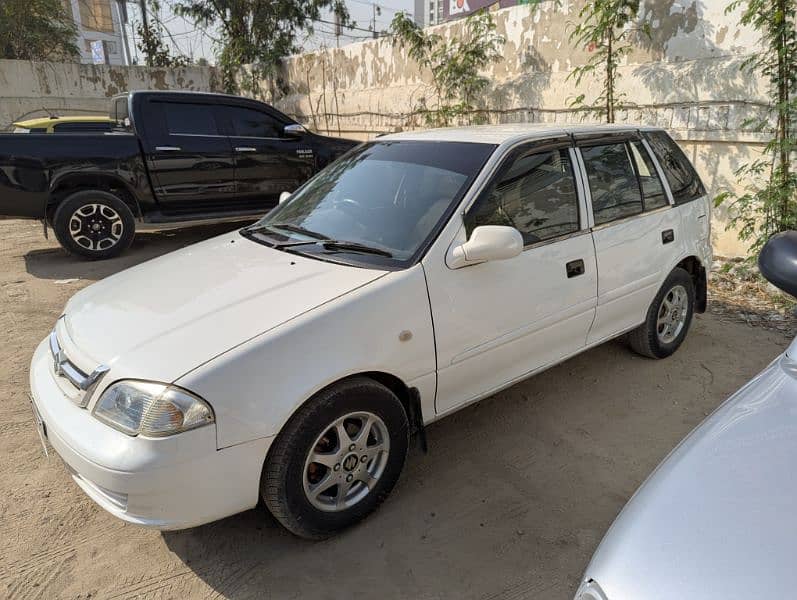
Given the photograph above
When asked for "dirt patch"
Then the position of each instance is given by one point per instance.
(510, 502)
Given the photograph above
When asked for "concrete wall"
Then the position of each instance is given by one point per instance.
(29, 89)
(685, 78)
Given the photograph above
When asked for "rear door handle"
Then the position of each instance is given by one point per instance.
(575, 268)
(168, 148)
(667, 236)
(245, 149)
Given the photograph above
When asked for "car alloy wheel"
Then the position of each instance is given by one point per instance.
(96, 226)
(346, 461)
(672, 314)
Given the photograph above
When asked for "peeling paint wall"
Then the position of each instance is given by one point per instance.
(33, 89)
(686, 78)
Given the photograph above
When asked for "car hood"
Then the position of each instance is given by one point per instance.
(718, 517)
(165, 317)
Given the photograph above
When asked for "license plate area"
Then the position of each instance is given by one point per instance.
(41, 427)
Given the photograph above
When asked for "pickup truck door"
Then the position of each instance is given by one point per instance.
(497, 322)
(190, 161)
(266, 162)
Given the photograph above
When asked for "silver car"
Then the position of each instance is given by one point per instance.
(718, 518)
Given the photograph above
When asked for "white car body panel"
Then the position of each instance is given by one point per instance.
(273, 374)
(256, 332)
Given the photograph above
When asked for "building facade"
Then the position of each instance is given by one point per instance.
(99, 21)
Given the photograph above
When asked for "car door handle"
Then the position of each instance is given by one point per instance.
(575, 268)
(245, 149)
(667, 236)
(168, 148)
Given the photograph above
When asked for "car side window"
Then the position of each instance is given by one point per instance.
(684, 181)
(612, 182)
(189, 119)
(534, 192)
(653, 194)
(247, 122)
(82, 126)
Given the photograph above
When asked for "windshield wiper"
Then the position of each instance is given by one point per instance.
(344, 246)
(298, 229)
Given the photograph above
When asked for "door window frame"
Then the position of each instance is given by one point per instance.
(624, 137)
(538, 147)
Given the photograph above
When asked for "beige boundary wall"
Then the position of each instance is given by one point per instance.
(685, 78)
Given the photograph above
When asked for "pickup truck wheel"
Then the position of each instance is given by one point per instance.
(337, 459)
(94, 224)
(668, 317)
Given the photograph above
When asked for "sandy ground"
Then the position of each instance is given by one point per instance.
(510, 502)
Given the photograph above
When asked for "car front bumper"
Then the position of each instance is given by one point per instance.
(173, 482)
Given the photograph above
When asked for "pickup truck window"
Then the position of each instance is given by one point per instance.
(612, 182)
(86, 126)
(246, 122)
(535, 193)
(390, 196)
(189, 119)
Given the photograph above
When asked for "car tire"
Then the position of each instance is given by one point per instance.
(94, 224)
(668, 318)
(315, 500)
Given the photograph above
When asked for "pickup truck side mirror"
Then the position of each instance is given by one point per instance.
(778, 261)
(487, 242)
(294, 130)
(284, 196)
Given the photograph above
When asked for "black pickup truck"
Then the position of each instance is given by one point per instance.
(173, 159)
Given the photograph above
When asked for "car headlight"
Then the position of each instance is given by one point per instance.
(590, 590)
(152, 409)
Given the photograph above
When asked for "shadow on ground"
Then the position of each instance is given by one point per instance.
(56, 263)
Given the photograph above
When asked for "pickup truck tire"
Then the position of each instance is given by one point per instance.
(358, 432)
(94, 224)
(668, 318)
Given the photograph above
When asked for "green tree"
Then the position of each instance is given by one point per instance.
(256, 32)
(604, 32)
(769, 202)
(455, 64)
(37, 30)
(150, 41)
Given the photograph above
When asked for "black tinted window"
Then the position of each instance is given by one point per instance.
(191, 119)
(534, 193)
(612, 182)
(653, 192)
(246, 122)
(685, 184)
(86, 126)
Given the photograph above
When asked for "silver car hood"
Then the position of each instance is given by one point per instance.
(718, 518)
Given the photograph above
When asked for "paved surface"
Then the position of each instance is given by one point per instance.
(510, 502)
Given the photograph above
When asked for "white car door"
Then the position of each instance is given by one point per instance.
(496, 322)
(637, 231)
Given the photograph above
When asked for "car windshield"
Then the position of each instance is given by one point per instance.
(379, 204)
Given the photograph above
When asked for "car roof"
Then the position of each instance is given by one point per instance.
(499, 134)
(47, 121)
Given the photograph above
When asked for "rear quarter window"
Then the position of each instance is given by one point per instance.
(684, 181)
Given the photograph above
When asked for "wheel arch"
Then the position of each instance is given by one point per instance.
(697, 271)
(69, 184)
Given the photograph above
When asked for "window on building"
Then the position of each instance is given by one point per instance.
(95, 15)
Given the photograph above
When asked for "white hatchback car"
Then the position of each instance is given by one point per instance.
(291, 360)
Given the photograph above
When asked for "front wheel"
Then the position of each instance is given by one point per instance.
(337, 459)
(668, 317)
(94, 224)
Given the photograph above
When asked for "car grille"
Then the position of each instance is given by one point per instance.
(65, 368)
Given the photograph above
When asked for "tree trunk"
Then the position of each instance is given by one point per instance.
(610, 79)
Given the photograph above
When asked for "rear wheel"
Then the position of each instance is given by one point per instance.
(337, 459)
(94, 224)
(668, 318)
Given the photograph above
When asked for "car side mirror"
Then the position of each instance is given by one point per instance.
(284, 196)
(778, 261)
(294, 130)
(486, 243)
